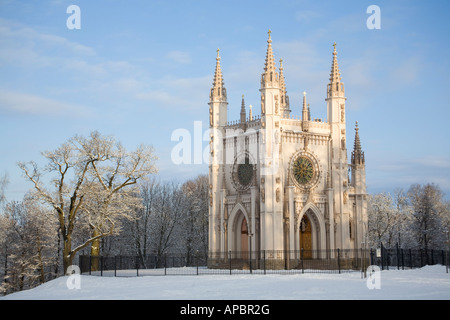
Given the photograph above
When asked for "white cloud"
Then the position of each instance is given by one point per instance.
(161, 97)
(178, 93)
(181, 57)
(389, 172)
(19, 35)
(307, 15)
(434, 162)
(35, 105)
(406, 72)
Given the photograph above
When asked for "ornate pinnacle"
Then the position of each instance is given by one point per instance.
(243, 114)
(284, 97)
(270, 73)
(218, 89)
(357, 154)
(335, 75)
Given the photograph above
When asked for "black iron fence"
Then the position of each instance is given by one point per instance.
(262, 262)
(398, 258)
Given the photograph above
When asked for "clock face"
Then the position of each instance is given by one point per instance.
(303, 170)
(245, 173)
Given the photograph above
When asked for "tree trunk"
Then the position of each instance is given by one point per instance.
(67, 254)
(40, 261)
(95, 252)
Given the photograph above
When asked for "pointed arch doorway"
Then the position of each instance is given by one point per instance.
(305, 237)
(239, 233)
(310, 232)
(244, 248)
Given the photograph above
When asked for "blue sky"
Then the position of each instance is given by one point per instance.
(139, 70)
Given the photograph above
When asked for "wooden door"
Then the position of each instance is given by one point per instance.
(306, 237)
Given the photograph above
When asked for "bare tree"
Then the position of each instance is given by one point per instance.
(3, 183)
(140, 228)
(196, 220)
(382, 218)
(91, 179)
(168, 211)
(6, 249)
(173, 218)
(29, 237)
(429, 216)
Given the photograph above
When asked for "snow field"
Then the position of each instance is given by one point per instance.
(427, 283)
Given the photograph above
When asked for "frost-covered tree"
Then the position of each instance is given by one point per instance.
(3, 183)
(429, 216)
(195, 221)
(168, 212)
(90, 186)
(18, 259)
(6, 250)
(141, 227)
(383, 219)
(173, 218)
(28, 245)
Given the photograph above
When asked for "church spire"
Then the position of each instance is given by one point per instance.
(335, 87)
(270, 75)
(270, 61)
(305, 113)
(357, 154)
(218, 91)
(335, 75)
(284, 96)
(243, 114)
(282, 82)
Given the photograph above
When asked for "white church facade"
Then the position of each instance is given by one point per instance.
(281, 183)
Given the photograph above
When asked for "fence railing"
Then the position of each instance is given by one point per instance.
(261, 262)
(398, 258)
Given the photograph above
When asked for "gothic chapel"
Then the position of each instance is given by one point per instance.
(282, 183)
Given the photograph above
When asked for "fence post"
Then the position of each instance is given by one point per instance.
(90, 264)
(250, 255)
(403, 259)
(137, 266)
(448, 260)
(388, 260)
(196, 260)
(410, 258)
(363, 260)
(286, 262)
(165, 264)
(398, 258)
(339, 260)
(301, 257)
(80, 259)
(264, 256)
(115, 267)
(230, 260)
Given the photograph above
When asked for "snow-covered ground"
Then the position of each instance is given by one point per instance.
(430, 282)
